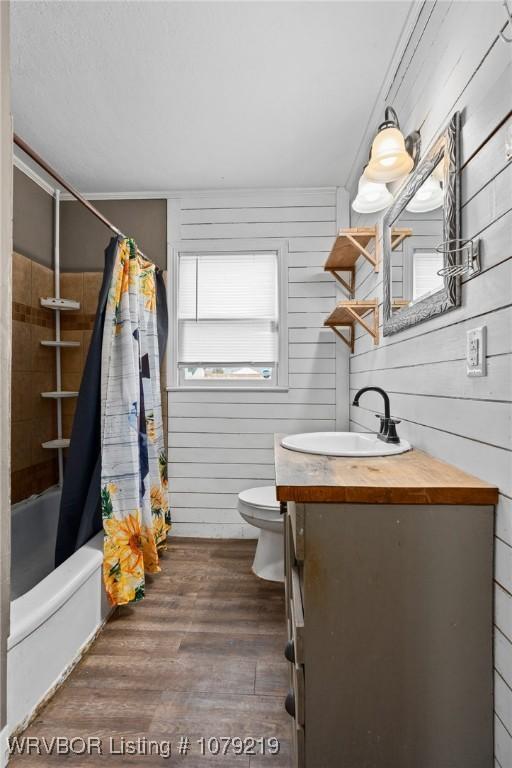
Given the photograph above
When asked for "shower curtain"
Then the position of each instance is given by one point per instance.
(80, 510)
(80, 515)
(133, 462)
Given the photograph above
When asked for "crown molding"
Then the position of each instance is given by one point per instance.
(171, 194)
(247, 191)
(32, 175)
(66, 196)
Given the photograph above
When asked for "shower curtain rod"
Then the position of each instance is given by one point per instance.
(55, 175)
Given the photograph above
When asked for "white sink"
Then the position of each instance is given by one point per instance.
(343, 444)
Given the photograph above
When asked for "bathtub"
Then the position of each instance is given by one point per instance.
(55, 612)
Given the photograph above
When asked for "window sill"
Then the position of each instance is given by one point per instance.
(227, 389)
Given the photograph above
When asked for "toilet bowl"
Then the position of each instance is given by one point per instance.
(259, 507)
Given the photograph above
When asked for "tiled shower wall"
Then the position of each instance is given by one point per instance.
(33, 469)
(34, 419)
(76, 326)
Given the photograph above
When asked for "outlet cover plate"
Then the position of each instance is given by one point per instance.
(476, 351)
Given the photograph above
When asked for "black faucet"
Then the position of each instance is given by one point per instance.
(387, 431)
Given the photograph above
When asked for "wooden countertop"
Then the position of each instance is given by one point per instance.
(409, 478)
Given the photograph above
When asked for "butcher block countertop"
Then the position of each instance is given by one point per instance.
(408, 478)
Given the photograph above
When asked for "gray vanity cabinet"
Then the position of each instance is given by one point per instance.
(389, 613)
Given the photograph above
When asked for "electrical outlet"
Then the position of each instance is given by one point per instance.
(476, 351)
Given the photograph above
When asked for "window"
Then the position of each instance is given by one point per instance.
(227, 313)
(425, 280)
(420, 267)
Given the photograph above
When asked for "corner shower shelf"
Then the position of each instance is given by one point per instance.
(348, 313)
(56, 444)
(57, 395)
(60, 343)
(61, 304)
(350, 244)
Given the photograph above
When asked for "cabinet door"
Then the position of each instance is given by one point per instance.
(398, 635)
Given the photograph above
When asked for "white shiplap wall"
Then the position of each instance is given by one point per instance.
(455, 60)
(222, 442)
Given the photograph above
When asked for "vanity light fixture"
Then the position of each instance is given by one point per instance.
(371, 196)
(392, 156)
(428, 197)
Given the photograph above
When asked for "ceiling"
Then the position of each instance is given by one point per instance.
(153, 96)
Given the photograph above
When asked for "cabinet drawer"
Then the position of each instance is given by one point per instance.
(297, 516)
(297, 617)
(289, 559)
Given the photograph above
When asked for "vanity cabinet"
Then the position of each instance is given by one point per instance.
(389, 613)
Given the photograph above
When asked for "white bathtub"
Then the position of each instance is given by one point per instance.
(54, 611)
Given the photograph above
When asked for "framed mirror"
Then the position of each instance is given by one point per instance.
(426, 210)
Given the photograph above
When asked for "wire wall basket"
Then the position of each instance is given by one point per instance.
(464, 253)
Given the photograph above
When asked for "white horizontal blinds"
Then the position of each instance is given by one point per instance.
(426, 279)
(228, 308)
(187, 287)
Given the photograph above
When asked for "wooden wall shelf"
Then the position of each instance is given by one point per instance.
(348, 313)
(398, 235)
(350, 244)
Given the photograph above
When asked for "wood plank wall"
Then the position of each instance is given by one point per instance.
(221, 442)
(455, 61)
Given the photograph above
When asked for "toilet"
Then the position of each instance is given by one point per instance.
(259, 507)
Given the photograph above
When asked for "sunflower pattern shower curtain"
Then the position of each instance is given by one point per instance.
(133, 463)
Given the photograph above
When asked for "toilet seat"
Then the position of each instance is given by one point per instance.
(259, 506)
(261, 498)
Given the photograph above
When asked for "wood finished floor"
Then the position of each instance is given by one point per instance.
(200, 656)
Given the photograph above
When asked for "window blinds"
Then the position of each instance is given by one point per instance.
(227, 308)
(425, 278)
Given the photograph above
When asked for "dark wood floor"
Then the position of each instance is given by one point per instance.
(201, 656)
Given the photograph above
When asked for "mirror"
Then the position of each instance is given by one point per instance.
(420, 231)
